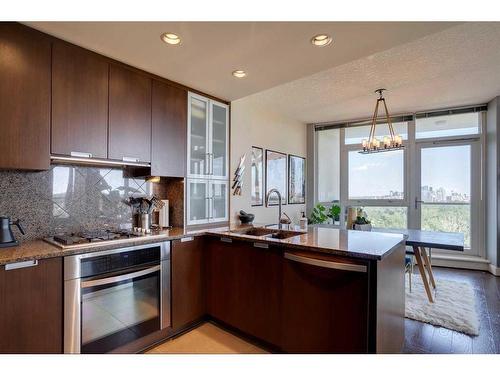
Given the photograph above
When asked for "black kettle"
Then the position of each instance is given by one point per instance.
(7, 238)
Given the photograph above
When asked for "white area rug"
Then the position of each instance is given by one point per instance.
(454, 305)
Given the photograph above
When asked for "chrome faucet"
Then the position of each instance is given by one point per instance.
(268, 195)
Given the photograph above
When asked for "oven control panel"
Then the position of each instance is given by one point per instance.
(115, 262)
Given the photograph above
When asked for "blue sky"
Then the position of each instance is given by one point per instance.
(378, 174)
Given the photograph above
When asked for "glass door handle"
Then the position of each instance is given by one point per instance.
(207, 164)
(417, 201)
(210, 163)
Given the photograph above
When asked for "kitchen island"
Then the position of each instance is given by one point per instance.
(324, 290)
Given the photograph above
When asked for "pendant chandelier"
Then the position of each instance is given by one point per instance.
(389, 143)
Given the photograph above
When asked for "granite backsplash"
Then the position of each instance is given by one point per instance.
(69, 199)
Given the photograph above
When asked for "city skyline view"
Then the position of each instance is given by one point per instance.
(445, 174)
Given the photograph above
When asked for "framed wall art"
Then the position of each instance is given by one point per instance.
(276, 171)
(296, 179)
(257, 176)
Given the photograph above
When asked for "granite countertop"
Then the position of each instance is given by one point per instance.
(40, 249)
(334, 241)
(354, 244)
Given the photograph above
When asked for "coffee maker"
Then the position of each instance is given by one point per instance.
(7, 238)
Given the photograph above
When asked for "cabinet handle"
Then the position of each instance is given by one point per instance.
(187, 239)
(262, 245)
(15, 266)
(77, 154)
(327, 264)
(130, 159)
(225, 239)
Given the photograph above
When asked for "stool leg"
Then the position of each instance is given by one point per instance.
(409, 279)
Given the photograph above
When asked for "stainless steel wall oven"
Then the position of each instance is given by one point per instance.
(115, 297)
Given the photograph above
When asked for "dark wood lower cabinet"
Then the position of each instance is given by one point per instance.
(325, 310)
(285, 299)
(31, 308)
(188, 282)
(244, 288)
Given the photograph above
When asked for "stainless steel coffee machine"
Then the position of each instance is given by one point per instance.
(7, 238)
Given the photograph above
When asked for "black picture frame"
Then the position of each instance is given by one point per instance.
(270, 182)
(299, 161)
(259, 201)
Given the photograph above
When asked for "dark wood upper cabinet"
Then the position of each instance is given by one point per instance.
(79, 101)
(31, 303)
(169, 123)
(24, 98)
(129, 115)
(188, 282)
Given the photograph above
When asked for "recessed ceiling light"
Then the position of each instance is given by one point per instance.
(171, 38)
(239, 73)
(321, 40)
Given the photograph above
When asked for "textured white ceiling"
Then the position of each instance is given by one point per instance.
(272, 53)
(458, 66)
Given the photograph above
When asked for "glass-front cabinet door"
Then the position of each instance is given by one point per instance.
(218, 201)
(197, 202)
(207, 188)
(198, 136)
(218, 140)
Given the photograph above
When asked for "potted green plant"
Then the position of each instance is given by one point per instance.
(362, 222)
(318, 215)
(334, 213)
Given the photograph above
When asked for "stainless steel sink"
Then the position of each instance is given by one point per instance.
(282, 234)
(267, 232)
(257, 232)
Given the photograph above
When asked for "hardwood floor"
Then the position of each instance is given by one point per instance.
(419, 337)
(425, 338)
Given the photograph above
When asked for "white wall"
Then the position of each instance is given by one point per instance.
(253, 124)
(492, 187)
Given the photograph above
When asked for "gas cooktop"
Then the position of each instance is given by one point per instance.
(68, 240)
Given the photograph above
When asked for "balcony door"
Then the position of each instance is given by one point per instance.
(448, 192)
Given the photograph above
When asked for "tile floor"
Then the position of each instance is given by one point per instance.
(207, 339)
(419, 337)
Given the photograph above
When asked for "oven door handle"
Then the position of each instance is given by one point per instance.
(116, 279)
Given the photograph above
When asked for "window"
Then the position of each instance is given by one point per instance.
(447, 126)
(376, 176)
(434, 183)
(387, 217)
(446, 189)
(354, 135)
(328, 148)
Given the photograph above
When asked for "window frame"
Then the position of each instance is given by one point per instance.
(344, 178)
(477, 204)
(316, 166)
(411, 181)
